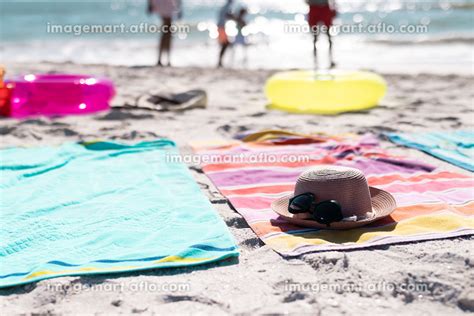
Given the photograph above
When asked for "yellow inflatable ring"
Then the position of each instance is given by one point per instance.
(329, 92)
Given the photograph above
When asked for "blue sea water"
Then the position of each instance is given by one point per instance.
(24, 30)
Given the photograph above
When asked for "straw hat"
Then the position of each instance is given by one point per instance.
(359, 203)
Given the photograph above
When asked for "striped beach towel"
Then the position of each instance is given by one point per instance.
(456, 147)
(100, 208)
(432, 204)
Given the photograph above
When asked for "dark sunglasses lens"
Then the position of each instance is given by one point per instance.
(300, 204)
(328, 212)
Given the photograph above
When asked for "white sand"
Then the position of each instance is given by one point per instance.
(260, 281)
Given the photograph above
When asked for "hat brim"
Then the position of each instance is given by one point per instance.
(383, 204)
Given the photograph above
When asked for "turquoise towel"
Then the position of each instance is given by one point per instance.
(101, 208)
(455, 147)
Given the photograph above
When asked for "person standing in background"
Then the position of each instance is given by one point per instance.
(240, 38)
(225, 14)
(167, 10)
(241, 22)
(322, 12)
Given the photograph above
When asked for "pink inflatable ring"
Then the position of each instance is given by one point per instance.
(59, 94)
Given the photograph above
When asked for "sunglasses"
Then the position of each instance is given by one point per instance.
(325, 212)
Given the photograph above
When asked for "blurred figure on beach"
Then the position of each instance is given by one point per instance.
(240, 38)
(225, 14)
(322, 12)
(241, 22)
(167, 10)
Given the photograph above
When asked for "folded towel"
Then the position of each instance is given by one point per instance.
(101, 208)
(165, 101)
(432, 204)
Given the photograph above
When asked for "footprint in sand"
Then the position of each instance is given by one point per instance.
(231, 130)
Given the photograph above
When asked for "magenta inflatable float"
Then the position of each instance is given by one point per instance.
(58, 95)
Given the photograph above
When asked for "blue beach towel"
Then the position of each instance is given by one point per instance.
(455, 147)
(100, 208)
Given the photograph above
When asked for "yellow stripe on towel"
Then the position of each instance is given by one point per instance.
(429, 224)
(180, 259)
(114, 269)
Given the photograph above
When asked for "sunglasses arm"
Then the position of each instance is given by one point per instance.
(312, 207)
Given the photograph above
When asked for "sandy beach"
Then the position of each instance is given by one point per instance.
(259, 282)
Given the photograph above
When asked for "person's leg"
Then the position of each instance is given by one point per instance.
(167, 36)
(165, 41)
(161, 48)
(328, 21)
(222, 53)
(160, 51)
(315, 41)
(313, 20)
(315, 49)
(331, 57)
(224, 42)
